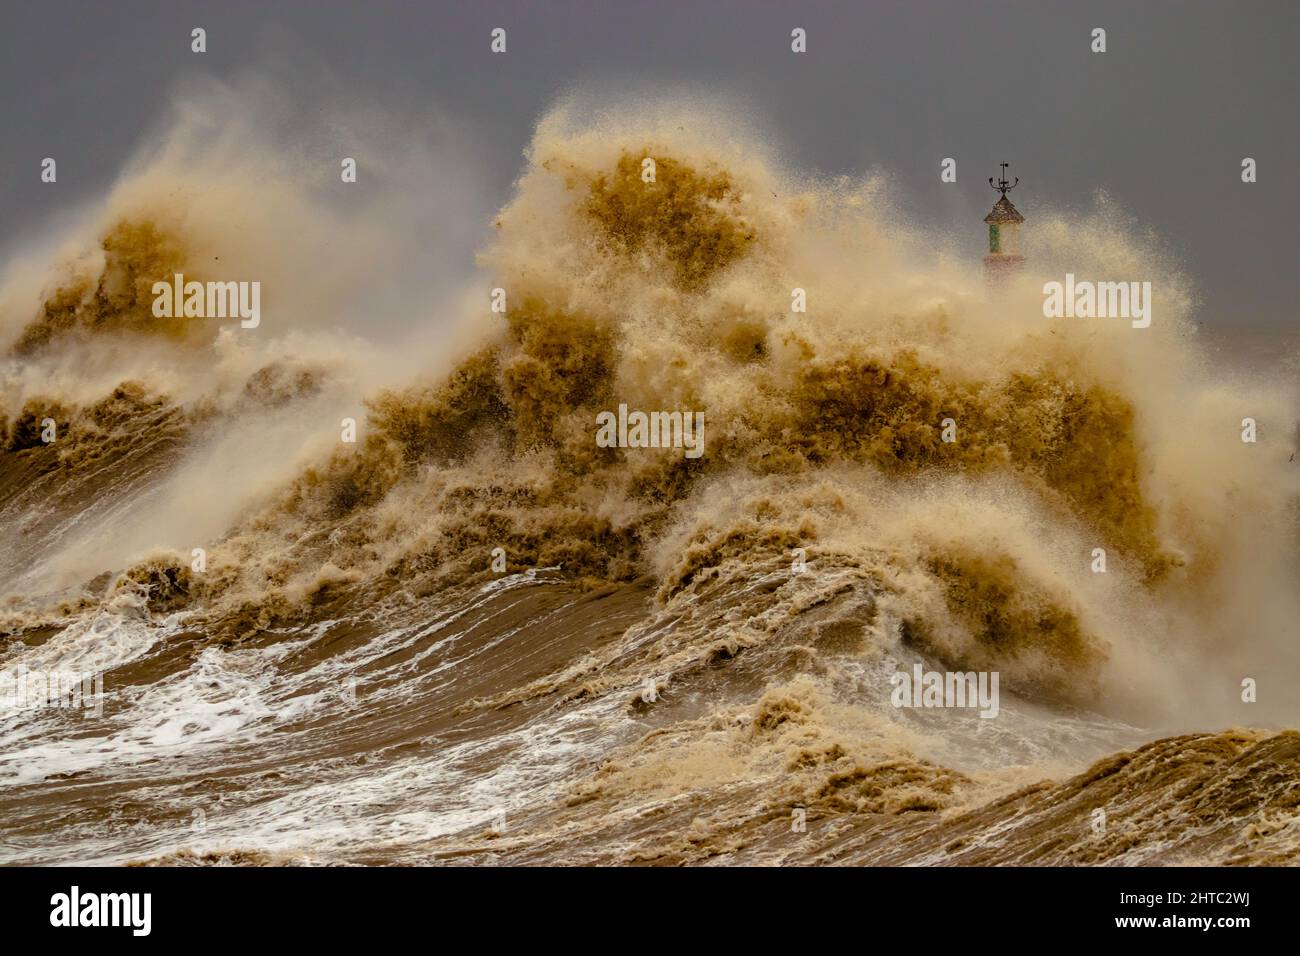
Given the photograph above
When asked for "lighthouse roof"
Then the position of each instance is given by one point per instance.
(1004, 211)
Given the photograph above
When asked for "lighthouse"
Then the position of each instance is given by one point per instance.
(1004, 258)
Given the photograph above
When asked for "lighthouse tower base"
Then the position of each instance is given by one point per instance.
(999, 267)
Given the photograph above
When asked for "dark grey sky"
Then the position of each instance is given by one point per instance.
(1161, 120)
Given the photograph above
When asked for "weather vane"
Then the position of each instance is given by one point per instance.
(1002, 185)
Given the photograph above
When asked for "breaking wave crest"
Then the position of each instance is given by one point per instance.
(823, 445)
